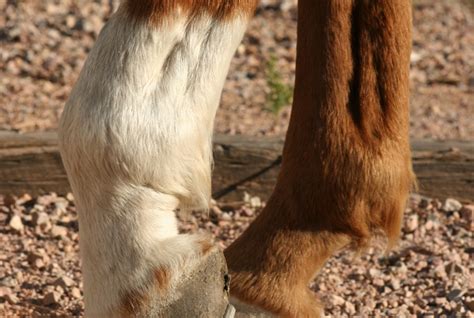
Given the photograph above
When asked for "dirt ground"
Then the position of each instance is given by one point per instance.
(43, 45)
(430, 272)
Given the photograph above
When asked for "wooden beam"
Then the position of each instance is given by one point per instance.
(30, 163)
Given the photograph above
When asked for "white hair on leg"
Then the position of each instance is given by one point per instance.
(135, 138)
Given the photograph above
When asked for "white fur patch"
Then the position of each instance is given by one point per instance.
(135, 138)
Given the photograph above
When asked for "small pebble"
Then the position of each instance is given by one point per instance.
(451, 205)
(59, 231)
(51, 298)
(16, 223)
(411, 223)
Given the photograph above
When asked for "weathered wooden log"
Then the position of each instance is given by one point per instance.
(30, 163)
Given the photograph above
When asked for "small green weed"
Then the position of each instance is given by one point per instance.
(280, 94)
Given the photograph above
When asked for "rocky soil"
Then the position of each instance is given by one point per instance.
(429, 273)
(44, 44)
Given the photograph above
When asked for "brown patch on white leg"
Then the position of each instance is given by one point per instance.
(206, 244)
(133, 303)
(188, 250)
(162, 279)
(155, 11)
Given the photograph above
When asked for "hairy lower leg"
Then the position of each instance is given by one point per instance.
(272, 263)
(346, 168)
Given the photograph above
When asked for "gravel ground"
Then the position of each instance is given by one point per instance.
(44, 44)
(428, 273)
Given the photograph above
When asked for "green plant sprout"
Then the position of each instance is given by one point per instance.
(280, 94)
